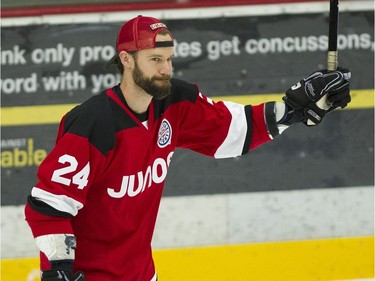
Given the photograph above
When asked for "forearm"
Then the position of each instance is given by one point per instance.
(55, 239)
(42, 224)
(53, 235)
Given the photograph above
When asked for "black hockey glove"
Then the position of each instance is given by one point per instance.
(62, 271)
(302, 98)
(61, 275)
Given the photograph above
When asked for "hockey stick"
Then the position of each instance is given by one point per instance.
(332, 54)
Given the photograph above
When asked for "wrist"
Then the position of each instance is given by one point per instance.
(275, 112)
(57, 247)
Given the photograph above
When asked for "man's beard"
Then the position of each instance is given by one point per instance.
(150, 86)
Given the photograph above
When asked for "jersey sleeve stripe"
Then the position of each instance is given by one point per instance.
(45, 209)
(249, 134)
(62, 203)
(233, 144)
(270, 117)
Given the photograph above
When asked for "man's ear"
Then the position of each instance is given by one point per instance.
(126, 59)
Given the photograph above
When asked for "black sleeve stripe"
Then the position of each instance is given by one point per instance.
(46, 209)
(249, 133)
(269, 112)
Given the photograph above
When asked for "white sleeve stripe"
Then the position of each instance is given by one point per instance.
(235, 139)
(62, 203)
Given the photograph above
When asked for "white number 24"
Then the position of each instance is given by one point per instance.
(80, 178)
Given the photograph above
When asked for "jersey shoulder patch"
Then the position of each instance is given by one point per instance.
(93, 120)
(182, 90)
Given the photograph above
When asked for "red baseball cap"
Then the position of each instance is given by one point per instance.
(137, 34)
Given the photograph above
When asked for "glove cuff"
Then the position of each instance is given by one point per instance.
(66, 265)
(274, 112)
(292, 115)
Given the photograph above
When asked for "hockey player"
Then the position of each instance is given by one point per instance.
(93, 210)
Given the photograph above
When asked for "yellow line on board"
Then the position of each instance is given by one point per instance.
(306, 260)
(51, 114)
(34, 115)
(361, 99)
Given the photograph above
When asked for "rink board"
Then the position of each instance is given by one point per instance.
(308, 260)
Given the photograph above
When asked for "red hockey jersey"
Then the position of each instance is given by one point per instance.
(104, 178)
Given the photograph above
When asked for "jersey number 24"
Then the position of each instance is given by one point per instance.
(61, 175)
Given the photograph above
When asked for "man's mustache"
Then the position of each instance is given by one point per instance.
(162, 78)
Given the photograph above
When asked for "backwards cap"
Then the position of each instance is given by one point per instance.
(137, 34)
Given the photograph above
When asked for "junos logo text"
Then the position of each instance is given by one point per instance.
(154, 173)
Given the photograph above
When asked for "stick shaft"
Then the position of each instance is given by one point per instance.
(332, 55)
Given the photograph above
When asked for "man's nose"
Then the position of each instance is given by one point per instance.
(166, 68)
